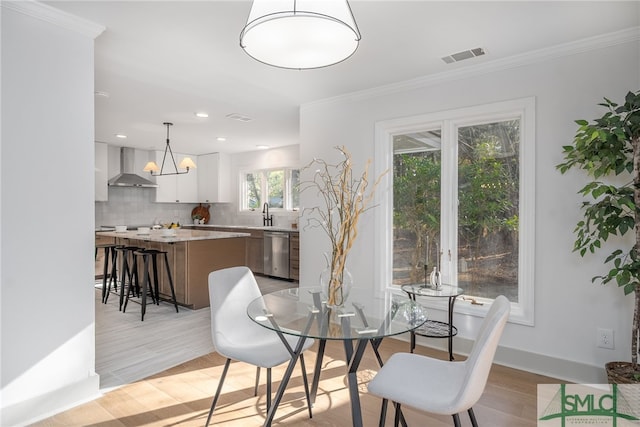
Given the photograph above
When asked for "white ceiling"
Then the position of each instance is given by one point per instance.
(163, 61)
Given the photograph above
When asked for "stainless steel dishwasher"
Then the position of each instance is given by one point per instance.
(276, 254)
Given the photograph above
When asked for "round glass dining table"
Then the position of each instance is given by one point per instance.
(365, 318)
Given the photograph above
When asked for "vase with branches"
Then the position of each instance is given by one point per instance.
(346, 196)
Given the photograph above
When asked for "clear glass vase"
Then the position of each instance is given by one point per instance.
(335, 283)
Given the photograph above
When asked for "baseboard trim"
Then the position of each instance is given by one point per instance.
(48, 404)
(561, 369)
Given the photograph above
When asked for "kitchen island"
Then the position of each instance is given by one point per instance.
(192, 254)
(255, 245)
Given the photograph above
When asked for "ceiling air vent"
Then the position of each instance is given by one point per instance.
(239, 117)
(465, 54)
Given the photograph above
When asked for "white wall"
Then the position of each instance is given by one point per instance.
(47, 310)
(568, 308)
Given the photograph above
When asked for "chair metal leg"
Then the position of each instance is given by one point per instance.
(155, 291)
(456, 420)
(383, 412)
(123, 280)
(173, 292)
(215, 398)
(113, 276)
(396, 420)
(146, 281)
(105, 290)
(268, 389)
(255, 389)
(472, 417)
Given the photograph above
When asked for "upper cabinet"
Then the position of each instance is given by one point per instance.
(176, 188)
(101, 172)
(214, 178)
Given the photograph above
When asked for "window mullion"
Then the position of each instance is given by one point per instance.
(449, 206)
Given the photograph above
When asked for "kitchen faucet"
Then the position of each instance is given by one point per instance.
(267, 220)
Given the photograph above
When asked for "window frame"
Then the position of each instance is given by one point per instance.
(522, 312)
(287, 188)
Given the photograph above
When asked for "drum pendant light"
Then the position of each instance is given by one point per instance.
(300, 34)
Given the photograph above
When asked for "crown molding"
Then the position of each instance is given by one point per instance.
(54, 16)
(566, 49)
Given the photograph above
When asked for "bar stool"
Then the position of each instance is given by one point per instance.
(129, 280)
(110, 255)
(150, 259)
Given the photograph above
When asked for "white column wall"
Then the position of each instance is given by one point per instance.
(568, 308)
(47, 216)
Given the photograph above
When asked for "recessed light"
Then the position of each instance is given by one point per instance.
(221, 139)
(262, 147)
(121, 136)
(202, 115)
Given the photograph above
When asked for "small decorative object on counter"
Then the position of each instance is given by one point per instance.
(201, 213)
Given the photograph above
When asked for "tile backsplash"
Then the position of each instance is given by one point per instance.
(137, 206)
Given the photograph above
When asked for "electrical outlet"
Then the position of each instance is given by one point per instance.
(605, 338)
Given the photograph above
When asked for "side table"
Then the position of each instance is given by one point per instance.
(434, 328)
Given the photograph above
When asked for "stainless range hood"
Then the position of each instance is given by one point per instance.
(127, 176)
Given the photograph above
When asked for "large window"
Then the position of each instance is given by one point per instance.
(277, 187)
(463, 201)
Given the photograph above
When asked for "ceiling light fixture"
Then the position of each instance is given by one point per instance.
(121, 136)
(202, 115)
(221, 139)
(262, 147)
(300, 34)
(186, 163)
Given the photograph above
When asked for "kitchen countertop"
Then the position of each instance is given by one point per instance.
(246, 227)
(182, 235)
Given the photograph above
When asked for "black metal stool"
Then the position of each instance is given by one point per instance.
(150, 259)
(110, 255)
(129, 281)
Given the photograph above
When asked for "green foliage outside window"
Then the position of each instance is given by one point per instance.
(487, 205)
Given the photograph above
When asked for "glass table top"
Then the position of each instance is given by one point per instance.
(303, 312)
(429, 291)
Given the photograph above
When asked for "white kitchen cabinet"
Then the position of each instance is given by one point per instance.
(214, 178)
(101, 172)
(176, 188)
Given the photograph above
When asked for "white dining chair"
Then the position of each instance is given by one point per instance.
(441, 386)
(236, 337)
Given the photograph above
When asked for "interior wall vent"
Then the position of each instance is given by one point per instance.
(239, 117)
(465, 54)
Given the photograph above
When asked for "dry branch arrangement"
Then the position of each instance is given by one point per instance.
(345, 199)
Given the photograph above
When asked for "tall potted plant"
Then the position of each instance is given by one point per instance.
(608, 147)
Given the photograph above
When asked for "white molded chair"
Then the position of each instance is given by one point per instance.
(237, 337)
(439, 386)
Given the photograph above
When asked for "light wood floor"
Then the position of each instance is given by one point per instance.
(128, 350)
(181, 395)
